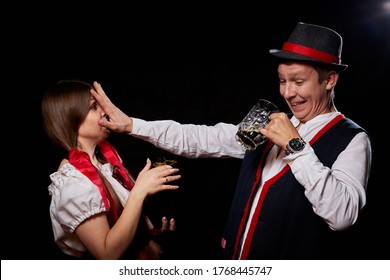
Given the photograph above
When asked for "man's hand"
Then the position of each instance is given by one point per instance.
(115, 119)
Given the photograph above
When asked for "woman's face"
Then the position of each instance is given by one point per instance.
(90, 131)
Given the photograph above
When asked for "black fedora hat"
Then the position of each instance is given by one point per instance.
(313, 43)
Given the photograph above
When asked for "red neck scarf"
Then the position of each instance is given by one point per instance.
(82, 162)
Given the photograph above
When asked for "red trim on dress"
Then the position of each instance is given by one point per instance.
(82, 162)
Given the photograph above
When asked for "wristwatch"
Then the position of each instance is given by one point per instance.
(295, 145)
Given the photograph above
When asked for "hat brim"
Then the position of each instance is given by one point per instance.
(299, 57)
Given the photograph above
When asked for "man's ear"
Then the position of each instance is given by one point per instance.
(331, 80)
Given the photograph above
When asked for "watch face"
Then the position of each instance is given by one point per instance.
(295, 144)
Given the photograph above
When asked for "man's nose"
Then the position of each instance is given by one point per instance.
(288, 90)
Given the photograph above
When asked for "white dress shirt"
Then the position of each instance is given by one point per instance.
(337, 193)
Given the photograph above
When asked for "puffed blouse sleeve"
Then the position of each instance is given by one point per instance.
(74, 198)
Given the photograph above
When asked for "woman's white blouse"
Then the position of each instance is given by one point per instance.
(74, 198)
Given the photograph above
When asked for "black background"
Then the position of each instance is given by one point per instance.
(195, 64)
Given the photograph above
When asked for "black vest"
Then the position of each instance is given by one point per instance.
(287, 227)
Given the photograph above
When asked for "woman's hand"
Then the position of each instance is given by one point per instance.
(153, 180)
(164, 236)
(164, 226)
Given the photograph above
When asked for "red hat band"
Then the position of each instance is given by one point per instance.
(299, 49)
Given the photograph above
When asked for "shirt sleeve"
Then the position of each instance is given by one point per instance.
(338, 193)
(189, 140)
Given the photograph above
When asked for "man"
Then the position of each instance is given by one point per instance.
(302, 189)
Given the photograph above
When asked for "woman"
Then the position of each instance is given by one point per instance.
(96, 205)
